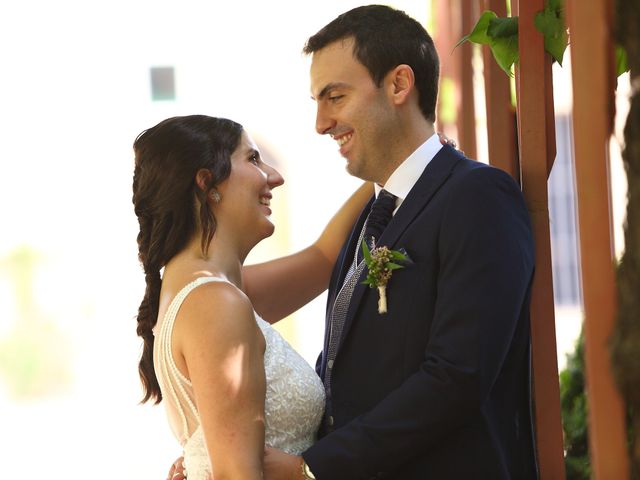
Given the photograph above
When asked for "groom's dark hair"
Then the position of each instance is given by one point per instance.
(383, 39)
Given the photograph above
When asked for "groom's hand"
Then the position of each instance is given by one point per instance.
(177, 470)
(281, 466)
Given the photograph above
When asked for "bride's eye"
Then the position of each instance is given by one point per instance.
(255, 158)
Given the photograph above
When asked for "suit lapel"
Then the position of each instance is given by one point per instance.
(340, 271)
(433, 177)
(350, 246)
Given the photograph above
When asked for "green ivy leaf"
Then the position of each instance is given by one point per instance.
(504, 41)
(550, 23)
(505, 51)
(479, 32)
(621, 60)
(554, 5)
(503, 27)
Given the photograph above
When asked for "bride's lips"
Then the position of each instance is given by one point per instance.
(265, 201)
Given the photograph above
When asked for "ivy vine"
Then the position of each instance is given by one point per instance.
(501, 35)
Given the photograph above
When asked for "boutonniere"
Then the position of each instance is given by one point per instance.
(381, 262)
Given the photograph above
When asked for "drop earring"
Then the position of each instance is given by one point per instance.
(215, 196)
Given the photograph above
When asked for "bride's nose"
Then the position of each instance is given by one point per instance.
(274, 179)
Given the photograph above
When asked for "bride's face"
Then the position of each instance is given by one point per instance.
(246, 195)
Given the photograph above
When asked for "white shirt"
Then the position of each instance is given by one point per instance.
(403, 178)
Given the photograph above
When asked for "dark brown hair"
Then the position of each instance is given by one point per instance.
(167, 158)
(383, 39)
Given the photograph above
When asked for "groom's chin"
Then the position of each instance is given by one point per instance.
(357, 170)
(354, 172)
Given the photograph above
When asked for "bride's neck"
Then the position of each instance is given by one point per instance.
(221, 260)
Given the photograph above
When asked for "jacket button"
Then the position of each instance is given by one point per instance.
(330, 420)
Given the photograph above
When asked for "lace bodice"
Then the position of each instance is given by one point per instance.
(294, 394)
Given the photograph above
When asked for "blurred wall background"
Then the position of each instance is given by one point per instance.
(78, 81)
(75, 90)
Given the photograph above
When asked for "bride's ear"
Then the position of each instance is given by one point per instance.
(203, 179)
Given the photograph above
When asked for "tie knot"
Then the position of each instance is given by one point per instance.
(380, 214)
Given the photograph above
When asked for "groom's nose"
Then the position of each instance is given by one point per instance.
(324, 122)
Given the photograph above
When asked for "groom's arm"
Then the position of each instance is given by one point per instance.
(486, 263)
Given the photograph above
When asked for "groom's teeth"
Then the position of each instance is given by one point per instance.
(342, 140)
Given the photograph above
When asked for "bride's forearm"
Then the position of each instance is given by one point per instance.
(280, 287)
(335, 233)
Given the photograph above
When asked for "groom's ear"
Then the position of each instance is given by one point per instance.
(401, 81)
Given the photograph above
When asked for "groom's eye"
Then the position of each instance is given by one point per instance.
(335, 98)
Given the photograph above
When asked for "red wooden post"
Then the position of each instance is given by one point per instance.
(501, 117)
(593, 87)
(456, 114)
(537, 152)
(466, 108)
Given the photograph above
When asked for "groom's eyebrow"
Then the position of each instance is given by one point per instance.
(330, 86)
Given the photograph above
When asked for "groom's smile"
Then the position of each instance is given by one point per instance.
(344, 142)
(342, 139)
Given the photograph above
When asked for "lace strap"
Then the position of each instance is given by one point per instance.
(176, 382)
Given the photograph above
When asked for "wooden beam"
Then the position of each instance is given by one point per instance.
(501, 115)
(537, 152)
(456, 108)
(593, 86)
(466, 108)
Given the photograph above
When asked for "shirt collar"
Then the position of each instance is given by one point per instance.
(408, 172)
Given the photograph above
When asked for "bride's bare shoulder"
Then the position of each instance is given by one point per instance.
(217, 301)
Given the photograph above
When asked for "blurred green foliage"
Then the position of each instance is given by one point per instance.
(35, 354)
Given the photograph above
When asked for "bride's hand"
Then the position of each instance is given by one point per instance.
(444, 140)
(177, 470)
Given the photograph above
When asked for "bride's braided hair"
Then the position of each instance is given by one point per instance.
(167, 158)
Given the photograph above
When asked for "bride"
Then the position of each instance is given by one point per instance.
(231, 384)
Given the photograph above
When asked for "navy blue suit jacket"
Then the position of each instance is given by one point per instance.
(438, 387)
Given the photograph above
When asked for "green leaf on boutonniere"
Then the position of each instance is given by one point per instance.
(366, 253)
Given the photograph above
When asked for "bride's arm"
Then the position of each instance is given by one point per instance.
(217, 340)
(279, 287)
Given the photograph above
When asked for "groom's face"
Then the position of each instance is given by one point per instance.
(352, 109)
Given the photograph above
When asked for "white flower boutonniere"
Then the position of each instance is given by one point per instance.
(381, 262)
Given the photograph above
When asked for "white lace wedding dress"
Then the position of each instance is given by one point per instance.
(294, 398)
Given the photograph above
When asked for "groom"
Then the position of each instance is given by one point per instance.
(438, 387)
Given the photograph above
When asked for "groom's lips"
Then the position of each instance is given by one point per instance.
(343, 140)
